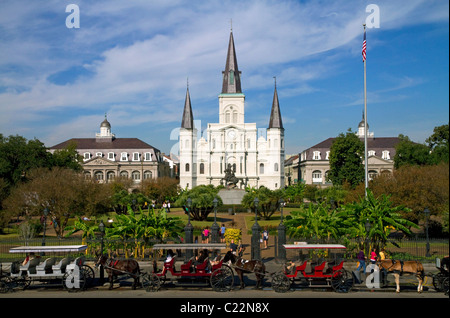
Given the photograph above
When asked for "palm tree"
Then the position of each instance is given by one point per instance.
(373, 218)
(88, 231)
(316, 221)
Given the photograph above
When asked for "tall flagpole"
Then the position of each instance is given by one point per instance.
(366, 165)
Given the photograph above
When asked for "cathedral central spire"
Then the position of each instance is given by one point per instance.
(231, 75)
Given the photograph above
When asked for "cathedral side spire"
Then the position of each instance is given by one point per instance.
(275, 115)
(231, 75)
(187, 121)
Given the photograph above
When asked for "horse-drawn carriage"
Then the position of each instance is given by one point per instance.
(71, 274)
(440, 280)
(193, 272)
(314, 274)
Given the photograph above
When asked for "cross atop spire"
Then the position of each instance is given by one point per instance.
(231, 75)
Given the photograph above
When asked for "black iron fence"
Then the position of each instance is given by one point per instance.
(413, 248)
(122, 248)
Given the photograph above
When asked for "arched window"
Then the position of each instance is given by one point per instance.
(202, 168)
(136, 175)
(124, 174)
(227, 116)
(148, 174)
(261, 168)
(110, 175)
(275, 167)
(186, 167)
(231, 77)
(99, 176)
(317, 176)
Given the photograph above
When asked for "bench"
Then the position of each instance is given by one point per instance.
(318, 269)
(60, 268)
(45, 267)
(30, 267)
(170, 264)
(186, 268)
(201, 268)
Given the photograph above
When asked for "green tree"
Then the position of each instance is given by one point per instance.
(67, 158)
(439, 144)
(295, 192)
(63, 192)
(346, 156)
(317, 221)
(18, 156)
(268, 201)
(408, 152)
(372, 219)
(202, 197)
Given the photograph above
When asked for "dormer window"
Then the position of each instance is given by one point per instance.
(86, 156)
(316, 155)
(148, 156)
(98, 154)
(111, 156)
(385, 155)
(123, 156)
(371, 153)
(136, 156)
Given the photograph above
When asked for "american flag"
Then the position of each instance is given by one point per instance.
(364, 47)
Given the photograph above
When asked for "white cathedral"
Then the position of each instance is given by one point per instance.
(232, 143)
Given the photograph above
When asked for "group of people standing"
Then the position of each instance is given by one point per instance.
(373, 258)
(206, 234)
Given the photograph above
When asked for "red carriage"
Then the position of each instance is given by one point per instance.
(216, 274)
(314, 274)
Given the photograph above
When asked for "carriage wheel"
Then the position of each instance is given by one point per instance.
(437, 281)
(4, 285)
(74, 280)
(342, 281)
(151, 282)
(88, 274)
(445, 285)
(280, 283)
(222, 279)
(23, 282)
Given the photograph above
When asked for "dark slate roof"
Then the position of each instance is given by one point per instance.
(187, 121)
(231, 86)
(117, 143)
(275, 115)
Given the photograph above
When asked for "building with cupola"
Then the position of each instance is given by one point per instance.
(314, 163)
(106, 157)
(255, 155)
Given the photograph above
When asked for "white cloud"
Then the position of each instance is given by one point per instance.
(139, 53)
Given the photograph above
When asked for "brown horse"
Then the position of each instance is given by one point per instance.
(242, 266)
(116, 268)
(399, 268)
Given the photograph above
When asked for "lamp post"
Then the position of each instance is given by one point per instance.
(256, 229)
(427, 218)
(281, 234)
(188, 230)
(215, 226)
(45, 228)
(101, 228)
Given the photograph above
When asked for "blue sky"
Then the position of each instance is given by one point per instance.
(131, 60)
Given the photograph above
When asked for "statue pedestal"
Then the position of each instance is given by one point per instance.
(231, 196)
